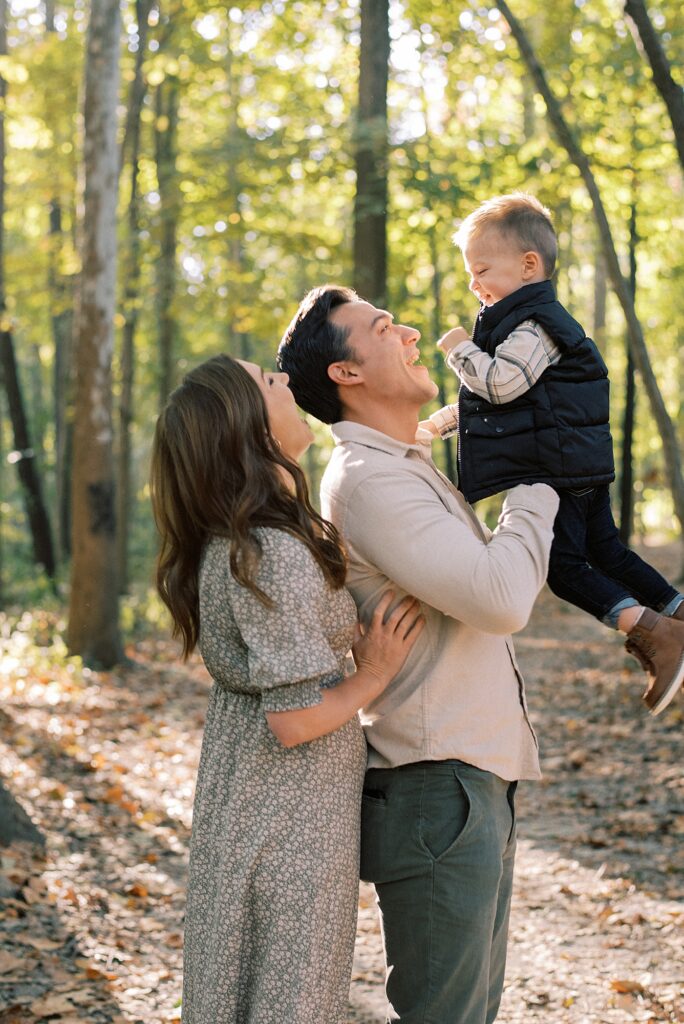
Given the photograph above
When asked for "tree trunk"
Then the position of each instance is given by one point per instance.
(600, 295)
(61, 302)
(131, 300)
(93, 614)
(165, 139)
(671, 92)
(238, 341)
(25, 460)
(23, 455)
(370, 207)
(637, 343)
(626, 461)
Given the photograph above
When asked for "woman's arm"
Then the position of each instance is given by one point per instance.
(379, 655)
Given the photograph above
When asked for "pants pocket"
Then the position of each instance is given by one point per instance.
(373, 834)
(445, 813)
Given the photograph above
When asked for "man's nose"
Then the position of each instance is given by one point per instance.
(409, 334)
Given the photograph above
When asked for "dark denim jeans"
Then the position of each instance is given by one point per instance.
(438, 841)
(589, 565)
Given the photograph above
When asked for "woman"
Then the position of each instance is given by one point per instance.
(254, 577)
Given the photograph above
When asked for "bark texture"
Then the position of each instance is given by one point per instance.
(93, 614)
(370, 207)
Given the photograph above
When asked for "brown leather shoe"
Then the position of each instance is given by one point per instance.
(657, 641)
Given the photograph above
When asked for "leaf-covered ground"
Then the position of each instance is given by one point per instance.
(91, 929)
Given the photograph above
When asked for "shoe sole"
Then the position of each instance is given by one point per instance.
(668, 694)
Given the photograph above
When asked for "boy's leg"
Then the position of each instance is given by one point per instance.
(438, 841)
(571, 575)
(608, 553)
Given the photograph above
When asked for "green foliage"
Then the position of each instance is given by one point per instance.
(266, 185)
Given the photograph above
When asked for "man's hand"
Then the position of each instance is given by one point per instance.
(451, 339)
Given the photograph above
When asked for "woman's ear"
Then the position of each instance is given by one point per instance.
(345, 374)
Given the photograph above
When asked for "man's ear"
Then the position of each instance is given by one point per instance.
(532, 264)
(345, 374)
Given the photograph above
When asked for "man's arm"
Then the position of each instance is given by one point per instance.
(397, 523)
(519, 362)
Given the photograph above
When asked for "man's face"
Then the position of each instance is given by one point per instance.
(386, 355)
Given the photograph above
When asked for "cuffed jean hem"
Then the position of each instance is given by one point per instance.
(611, 617)
(672, 605)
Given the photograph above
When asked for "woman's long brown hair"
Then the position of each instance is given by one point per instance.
(217, 470)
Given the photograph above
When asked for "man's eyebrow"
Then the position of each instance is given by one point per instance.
(384, 315)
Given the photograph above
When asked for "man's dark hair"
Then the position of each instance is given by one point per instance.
(310, 344)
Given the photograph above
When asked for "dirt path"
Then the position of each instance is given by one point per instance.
(105, 765)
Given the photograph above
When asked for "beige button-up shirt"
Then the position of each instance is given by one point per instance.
(460, 693)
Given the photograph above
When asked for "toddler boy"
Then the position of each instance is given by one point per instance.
(534, 407)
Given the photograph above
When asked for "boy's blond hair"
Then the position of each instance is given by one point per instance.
(519, 217)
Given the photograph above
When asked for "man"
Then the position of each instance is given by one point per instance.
(450, 738)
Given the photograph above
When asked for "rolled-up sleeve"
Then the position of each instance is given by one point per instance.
(401, 526)
(289, 656)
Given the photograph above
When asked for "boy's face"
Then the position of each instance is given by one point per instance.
(498, 267)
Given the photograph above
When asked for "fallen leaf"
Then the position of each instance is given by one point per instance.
(619, 985)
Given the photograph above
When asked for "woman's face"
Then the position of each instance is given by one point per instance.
(290, 430)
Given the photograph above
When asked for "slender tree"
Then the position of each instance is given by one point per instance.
(626, 462)
(131, 294)
(370, 207)
(238, 340)
(61, 317)
(93, 614)
(620, 285)
(166, 130)
(23, 455)
(671, 92)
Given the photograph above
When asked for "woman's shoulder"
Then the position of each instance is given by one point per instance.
(277, 546)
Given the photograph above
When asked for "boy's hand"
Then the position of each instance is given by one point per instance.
(451, 339)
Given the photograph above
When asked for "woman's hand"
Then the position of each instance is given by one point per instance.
(383, 646)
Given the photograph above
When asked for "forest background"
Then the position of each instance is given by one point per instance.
(249, 152)
(173, 178)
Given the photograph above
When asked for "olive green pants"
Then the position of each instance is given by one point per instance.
(438, 842)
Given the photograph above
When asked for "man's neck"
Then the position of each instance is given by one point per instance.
(401, 424)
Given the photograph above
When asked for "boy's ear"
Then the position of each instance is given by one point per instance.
(345, 374)
(532, 264)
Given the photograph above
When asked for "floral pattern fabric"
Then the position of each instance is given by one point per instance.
(273, 880)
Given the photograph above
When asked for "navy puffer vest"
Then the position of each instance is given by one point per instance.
(556, 433)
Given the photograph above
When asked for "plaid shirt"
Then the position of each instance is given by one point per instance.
(519, 362)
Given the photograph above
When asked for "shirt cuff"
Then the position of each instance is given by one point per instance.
(459, 353)
(446, 420)
(534, 498)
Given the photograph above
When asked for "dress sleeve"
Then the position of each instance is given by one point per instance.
(289, 655)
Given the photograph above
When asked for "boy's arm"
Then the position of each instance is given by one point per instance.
(443, 423)
(519, 362)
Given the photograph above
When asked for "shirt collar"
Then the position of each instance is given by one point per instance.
(345, 430)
